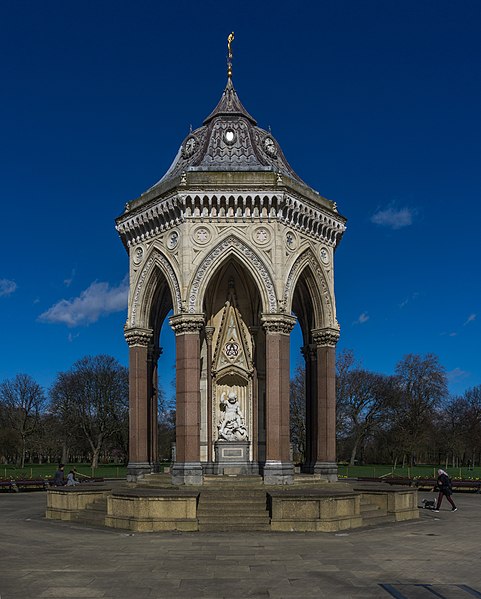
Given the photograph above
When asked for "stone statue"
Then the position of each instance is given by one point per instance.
(232, 427)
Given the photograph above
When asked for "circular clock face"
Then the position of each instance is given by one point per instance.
(189, 147)
(270, 147)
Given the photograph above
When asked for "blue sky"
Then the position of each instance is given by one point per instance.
(375, 104)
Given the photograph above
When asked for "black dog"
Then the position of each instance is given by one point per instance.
(429, 504)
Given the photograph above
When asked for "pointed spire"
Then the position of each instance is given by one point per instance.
(229, 104)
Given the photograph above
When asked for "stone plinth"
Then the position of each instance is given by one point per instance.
(232, 457)
(398, 501)
(314, 511)
(144, 510)
(65, 503)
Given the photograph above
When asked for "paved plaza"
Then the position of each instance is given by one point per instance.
(436, 556)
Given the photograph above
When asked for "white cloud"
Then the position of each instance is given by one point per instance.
(97, 300)
(363, 317)
(457, 375)
(470, 318)
(393, 218)
(7, 287)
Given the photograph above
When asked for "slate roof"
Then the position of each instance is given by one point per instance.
(229, 140)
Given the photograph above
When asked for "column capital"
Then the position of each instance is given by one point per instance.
(327, 337)
(136, 336)
(187, 324)
(209, 333)
(278, 323)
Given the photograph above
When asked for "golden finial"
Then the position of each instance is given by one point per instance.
(230, 39)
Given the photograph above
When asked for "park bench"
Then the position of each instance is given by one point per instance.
(19, 485)
(430, 483)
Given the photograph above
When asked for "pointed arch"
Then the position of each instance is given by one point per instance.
(229, 246)
(156, 267)
(322, 298)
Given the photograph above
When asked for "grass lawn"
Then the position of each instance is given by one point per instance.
(424, 471)
(120, 471)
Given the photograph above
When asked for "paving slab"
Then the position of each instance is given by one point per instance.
(436, 556)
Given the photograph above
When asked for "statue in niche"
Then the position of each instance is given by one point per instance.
(232, 426)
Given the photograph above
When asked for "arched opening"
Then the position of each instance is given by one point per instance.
(232, 381)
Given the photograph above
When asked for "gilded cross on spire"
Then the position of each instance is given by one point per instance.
(230, 39)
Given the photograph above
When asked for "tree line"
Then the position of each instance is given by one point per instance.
(82, 418)
(407, 417)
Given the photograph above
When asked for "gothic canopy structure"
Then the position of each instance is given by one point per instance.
(233, 247)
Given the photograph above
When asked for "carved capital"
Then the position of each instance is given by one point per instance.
(137, 336)
(278, 323)
(209, 334)
(327, 337)
(187, 324)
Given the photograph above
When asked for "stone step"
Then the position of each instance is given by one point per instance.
(218, 527)
(93, 514)
(228, 494)
(220, 505)
(235, 480)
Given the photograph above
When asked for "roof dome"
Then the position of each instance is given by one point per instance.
(229, 140)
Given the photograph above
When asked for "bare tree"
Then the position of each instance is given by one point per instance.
(23, 400)
(422, 386)
(364, 399)
(93, 398)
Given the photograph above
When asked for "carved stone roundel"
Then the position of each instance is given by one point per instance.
(291, 241)
(261, 236)
(202, 235)
(173, 240)
(138, 255)
(324, 255)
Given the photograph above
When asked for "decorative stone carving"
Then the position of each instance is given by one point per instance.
(138, 336)
(216, 254)
(291, 241)
(261, 236)
(232, 426)
(173, 240)
(324, 254)
(138, 255)
(184, 324)
(307, 258)
(327, 337)
(168, 271)
(278, 323)
(202, 235)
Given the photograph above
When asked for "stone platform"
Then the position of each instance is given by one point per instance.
(233, 503)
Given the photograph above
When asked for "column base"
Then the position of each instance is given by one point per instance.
(137, 470)
(327, 470)
(187, 473)
(278, 473)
